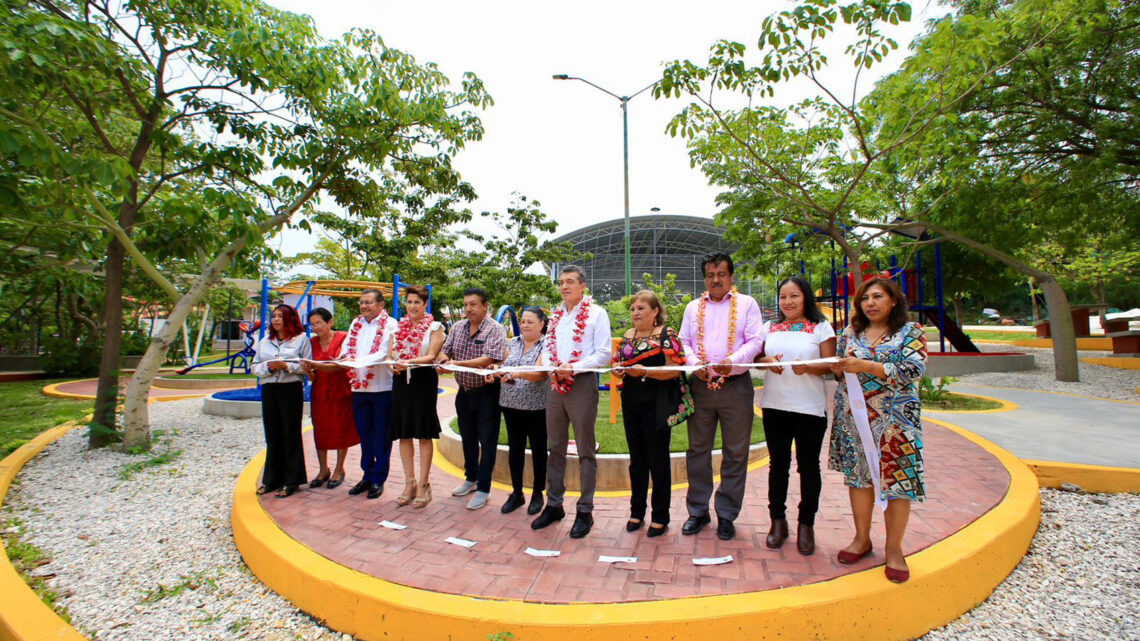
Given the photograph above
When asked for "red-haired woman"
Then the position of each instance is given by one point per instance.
(282, 400)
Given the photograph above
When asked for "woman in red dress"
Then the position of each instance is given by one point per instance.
(330, 399)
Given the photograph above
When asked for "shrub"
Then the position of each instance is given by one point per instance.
(70, 358)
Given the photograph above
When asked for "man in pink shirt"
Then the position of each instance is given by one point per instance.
(721, 329)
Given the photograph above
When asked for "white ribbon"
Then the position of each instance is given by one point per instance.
(514, 369)
(870, 446)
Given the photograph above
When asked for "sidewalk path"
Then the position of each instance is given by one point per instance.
(1051, 426)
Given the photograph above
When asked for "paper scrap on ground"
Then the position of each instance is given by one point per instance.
(460, 542)
(719, 560)
(534, 552)
(393, 526)
(617, 559)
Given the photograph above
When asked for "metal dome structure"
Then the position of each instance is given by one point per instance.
(659, 245)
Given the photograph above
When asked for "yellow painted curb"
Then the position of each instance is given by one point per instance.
(23, 616)
(1006, 406)
(947, 579)
(1090, 344)
(53, 391)
(1119, 362)
(1090, 478)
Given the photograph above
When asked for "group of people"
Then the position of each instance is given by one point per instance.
(881, 358)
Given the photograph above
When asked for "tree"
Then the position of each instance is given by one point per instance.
(820, 164)
(209, 125)
(1041, 153)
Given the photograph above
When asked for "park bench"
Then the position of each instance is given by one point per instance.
(1126, 343)
(1080, 315)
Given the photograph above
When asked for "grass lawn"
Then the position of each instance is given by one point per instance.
(25, 412)
(611, 438)
(983, 335)
(960, 403)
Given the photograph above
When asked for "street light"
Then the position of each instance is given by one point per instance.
(625, 151)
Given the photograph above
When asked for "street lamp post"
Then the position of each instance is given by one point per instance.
(625, 156)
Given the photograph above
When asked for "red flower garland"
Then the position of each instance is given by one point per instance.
(409, 337)
(563, 386)
(350, 352)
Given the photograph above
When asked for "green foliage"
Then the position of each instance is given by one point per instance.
(501, 636)
(25, 412)
(928, 392)
(166, 456)
(187, 582)
(671, 298)
(70, 358)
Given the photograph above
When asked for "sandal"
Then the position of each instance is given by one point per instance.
(423, 496)
(263, 489)
(409, 492)
(286, 491)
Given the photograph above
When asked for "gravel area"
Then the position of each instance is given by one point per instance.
(1096, 380)
(151, 557)
(1080, 580)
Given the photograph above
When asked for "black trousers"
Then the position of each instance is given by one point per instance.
(477, 412)
(282, 405)
(523, 425)
(781, 429)
(648, 459)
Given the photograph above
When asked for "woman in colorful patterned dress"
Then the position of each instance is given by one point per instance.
(648, 403)
(795, 408)
(888, 355)
(331, 399)
(418, 340)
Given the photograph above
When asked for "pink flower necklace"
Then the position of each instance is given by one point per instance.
(409, 337)
(580, 318)
(350, 352)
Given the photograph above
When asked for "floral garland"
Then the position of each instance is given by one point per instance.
(563, 386)
(717, 381)
(350, 353)
(409, 337)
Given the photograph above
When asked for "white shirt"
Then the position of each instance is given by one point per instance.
(596, 346)
(803, 394)
(271, 349)
(382, 381)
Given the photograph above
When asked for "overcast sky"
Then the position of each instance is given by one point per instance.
(561, 142)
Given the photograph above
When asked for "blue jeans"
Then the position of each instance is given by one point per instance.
(372, 412)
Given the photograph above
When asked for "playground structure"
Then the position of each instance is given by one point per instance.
(912, 280)
(246, 402)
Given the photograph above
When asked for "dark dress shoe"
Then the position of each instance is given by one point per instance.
(777, 534)
(318, 482)
(548, 516)
(805, 539)
(536, 503)
(655, 532)
(514, 502)
(634, 525)
(375, 490)
(334, 483)
(360, 488)
(725, 530)
(695, 524)
(582, 524)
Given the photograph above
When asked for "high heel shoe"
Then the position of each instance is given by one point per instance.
(423, 496)
(409, 492)
(319, 481)
(654, 532)
(335, 482)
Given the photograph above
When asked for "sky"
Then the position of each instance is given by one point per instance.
(560, 142)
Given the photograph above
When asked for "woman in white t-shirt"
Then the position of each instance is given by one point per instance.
(795, 407)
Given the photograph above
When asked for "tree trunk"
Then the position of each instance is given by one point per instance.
(102, 429)
(957, 303)
(1061, 327)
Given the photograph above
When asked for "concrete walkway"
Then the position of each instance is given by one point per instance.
(1049, 426)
